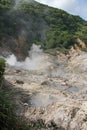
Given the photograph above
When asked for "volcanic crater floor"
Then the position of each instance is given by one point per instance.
(59, 96)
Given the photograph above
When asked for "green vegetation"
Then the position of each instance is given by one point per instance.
(40, 24)
(6, 108)
(2, 68)
(7, 115)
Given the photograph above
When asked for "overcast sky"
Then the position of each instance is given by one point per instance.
(76, 7)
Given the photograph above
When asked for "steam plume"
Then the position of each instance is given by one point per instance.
(36, 60)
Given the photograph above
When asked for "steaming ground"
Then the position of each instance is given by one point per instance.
(51, 88)
(37, 60)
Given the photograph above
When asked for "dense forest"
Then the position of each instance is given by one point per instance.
(23, 23)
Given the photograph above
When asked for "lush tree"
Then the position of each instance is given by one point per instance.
(37, 23)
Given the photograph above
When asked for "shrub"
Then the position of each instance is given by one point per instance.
(2, 69)
(7, 115)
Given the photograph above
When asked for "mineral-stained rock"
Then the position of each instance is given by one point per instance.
(60, 101)
(19, 82)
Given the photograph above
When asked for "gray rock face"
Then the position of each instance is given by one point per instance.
(58, 94)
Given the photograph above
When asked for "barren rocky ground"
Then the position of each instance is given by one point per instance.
(56, 94)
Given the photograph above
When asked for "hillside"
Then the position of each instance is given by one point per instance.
(24, 23)
(43, 91)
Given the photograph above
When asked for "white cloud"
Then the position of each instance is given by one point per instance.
(65, 4)
(76, 7)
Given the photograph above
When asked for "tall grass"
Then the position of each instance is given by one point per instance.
(7, 112)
